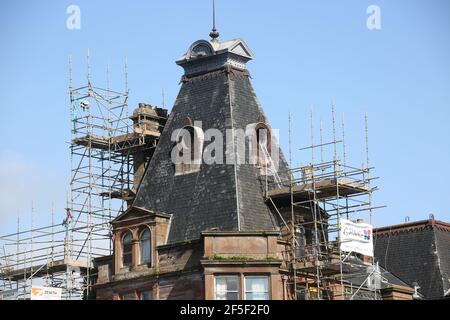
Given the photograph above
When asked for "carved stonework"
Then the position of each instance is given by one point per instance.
(206, 56)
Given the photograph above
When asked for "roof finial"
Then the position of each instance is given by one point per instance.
(214, 34)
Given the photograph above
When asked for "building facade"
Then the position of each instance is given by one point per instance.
(201, 229)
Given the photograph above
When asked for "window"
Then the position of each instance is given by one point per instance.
(227, 288)
(262, 134)
(145, 246)
(300, 241)
(257, 288)
(263, 137)
(129, 296)
(187, 142)
(263, 148)
(187, 155)
(126, 250)
(201, 50)
(146, 295)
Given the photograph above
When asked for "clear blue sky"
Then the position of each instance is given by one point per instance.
(307, 53)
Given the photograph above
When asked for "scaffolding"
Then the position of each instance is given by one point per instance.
(109, 151)
(311, 203)
(101, 171)
(39, 257)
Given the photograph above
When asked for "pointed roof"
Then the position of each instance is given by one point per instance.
(226, 197)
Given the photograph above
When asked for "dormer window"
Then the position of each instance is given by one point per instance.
(189, 150)
(263, 141)
(127, 250)
(201, 50)
(187, 141)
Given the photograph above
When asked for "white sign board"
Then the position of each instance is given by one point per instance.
(356, 237)
(45, 293)
(8, 295)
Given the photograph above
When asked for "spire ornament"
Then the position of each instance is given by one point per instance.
(214, 34)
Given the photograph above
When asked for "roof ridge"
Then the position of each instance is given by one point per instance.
(413, 226)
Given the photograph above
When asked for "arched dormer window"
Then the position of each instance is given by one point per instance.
(200, 49)
(145, 247)
(264, 145)
(189, 150)
(187, 141)
(261, 154)
(127, 250)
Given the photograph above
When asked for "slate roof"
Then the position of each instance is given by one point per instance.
(223, 196)
(360, 271)
(417, 252)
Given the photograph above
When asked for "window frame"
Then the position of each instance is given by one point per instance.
(146, 290)
(190, 130)
(195, 149)
(268, 136)
(260, 157)
(133, 293)
(122, 244)
(267, 277)
(141, 262)
(238, 284)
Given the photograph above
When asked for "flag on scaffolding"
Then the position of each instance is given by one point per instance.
(67, 222)
(356, 237)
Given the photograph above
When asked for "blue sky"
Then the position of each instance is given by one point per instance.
(308, 53)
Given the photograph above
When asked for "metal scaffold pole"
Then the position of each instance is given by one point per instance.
(293, 229)
(104, 140)
(320, 196)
